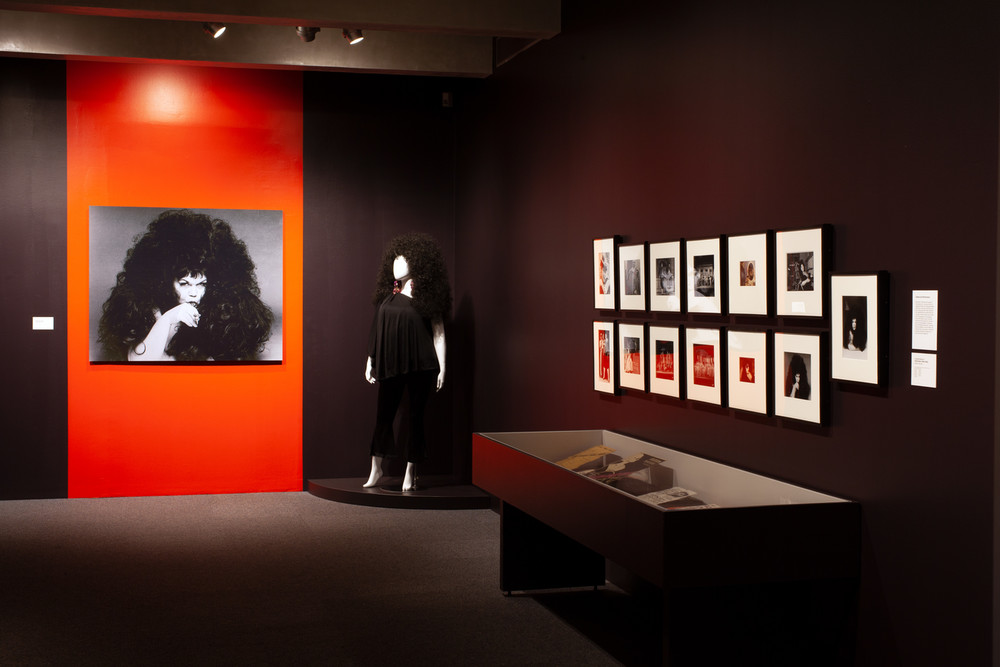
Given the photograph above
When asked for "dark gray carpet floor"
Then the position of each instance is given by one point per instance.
(284, 578)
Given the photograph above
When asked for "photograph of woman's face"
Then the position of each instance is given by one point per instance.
(191, 288)
(209, 279)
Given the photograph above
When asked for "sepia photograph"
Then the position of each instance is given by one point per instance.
(748, 273)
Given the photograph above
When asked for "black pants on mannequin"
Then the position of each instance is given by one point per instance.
(390, 395)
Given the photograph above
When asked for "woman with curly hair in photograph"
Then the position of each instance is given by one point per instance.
(406, 346)
(187, 292)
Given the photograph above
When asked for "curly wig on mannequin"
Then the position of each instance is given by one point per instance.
(431, 290)
(235, 323)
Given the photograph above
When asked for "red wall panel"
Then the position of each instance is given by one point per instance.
(177, 136)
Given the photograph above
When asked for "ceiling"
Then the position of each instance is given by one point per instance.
(466, 38)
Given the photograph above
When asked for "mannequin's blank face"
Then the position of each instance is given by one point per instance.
(400, 268)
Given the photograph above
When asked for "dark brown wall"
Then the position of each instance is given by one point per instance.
(33, 272)
(694, 119)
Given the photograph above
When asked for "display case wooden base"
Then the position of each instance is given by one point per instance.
(572, 500)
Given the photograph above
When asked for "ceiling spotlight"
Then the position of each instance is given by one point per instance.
(305, 33)
(213, 29)
(353, 36)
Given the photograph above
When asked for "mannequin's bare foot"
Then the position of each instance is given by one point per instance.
(376, 475)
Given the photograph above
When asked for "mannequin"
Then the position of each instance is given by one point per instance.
(406, 346)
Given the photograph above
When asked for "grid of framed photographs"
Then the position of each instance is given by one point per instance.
(757, 369)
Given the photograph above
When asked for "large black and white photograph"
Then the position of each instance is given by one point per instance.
(632, 272)
(664, 277)
(799, 255)
(797, 382)
(704, 275)
(185, 285)
(855, 325)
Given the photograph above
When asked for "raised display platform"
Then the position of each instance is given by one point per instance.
(438, 493)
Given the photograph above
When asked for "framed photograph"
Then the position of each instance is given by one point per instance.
(605, 357)
(232, 280)
(665, 287)
(748, 370)
(748, 274)
(632, 356)
(632, 276)
(704, 365)
(664, 354)
(704, 275)
(798, 385)
(798, 257)
(605, 263)
(858, 304)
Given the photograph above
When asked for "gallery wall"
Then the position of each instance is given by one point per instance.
(675, 120)
(33, 265)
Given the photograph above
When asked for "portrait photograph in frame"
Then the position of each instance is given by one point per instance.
(632, 277)
(236, 285)
(857, 331)
(748, 274)
(664, 354)
(798, 380)
(703, 262)
(665, 284)
(798, 271)
(605, 270)
(632, 356)
(748, 370)
(703, 362)
(605, 357)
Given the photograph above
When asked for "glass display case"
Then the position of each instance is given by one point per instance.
(572, 500)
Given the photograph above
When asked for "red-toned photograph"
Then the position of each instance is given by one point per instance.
(704, 365)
